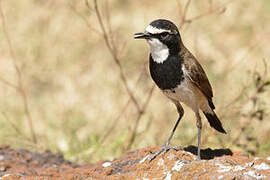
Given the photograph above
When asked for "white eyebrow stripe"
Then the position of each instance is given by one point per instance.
(154, 30)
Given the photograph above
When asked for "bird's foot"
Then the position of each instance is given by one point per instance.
(163, 150)
(198, 158)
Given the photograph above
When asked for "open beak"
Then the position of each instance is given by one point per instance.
(142, 35)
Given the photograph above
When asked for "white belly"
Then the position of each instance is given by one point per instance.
(190, 95)
(183, 93)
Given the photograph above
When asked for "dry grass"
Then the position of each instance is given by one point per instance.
(72, 78)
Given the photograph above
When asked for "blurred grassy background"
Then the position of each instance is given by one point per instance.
(56, 71)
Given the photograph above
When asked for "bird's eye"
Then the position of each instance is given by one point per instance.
(164, 34)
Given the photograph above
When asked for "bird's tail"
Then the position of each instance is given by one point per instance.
(214, 121)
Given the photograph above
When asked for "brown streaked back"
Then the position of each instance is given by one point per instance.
(197, 75)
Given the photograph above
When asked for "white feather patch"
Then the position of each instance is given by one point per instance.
(183, 93)
(159, 51)
(154, 30)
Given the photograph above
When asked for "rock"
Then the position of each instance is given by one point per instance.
(181, 164)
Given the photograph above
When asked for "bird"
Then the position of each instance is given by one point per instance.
(180, 77)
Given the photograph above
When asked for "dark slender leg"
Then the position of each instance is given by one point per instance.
(166, 147)
(181, 113)
(199, 126)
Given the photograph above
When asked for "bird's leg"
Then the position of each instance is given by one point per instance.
(180, 111)
(199, 126)
(166, 147)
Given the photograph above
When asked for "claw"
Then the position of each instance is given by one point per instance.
(163, 150)
(163, 153)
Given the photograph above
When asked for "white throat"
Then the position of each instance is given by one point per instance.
(159, 51)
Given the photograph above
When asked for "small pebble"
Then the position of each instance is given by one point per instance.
(2, 169)
(106, 164)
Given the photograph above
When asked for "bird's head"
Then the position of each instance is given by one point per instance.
(161, 34)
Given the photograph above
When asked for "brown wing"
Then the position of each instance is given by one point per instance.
(198, 77)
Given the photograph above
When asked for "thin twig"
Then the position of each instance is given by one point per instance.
(90, 27)
(185, 12)
(20, 88)
(8, 83)
(210, 11)
(122, 112)
(14, 126)
(115, 56)
(254, 94)
(134, 130)
(114, 51)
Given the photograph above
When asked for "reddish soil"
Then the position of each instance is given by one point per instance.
(216, 164)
